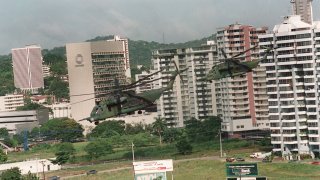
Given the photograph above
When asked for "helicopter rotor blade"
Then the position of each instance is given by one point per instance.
(224, 53)
(144, 78)
(82, 101)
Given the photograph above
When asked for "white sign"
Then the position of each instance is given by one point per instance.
(143, 167)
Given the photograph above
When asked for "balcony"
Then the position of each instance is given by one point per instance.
(275, 142)
(290, 142)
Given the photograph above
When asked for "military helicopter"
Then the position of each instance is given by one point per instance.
(232, 66)
(125, 101)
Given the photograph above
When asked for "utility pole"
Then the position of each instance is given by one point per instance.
(43, 174)
(220, 143)
(132, 150)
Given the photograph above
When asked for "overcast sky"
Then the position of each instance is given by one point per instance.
(52, 23)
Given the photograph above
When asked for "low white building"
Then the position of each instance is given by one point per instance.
(60, 110)
(18, 121)
(144, 118)
(34, 166)
(10, 102)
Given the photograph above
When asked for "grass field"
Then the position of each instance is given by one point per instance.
(215, 170)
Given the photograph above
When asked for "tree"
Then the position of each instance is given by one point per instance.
(170, 135)
(98, 148)
(63, 129)
(159, 126)
(108, 129)
(183, 145)
(205, 130)
(64, 152)
(134, 128)
(4, 133)
(10, 174)
(3, 156)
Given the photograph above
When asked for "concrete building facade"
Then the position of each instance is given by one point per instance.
(242, 100)
(10, 102)
(92, 69)
(293, 82)
(18, 121)
(190, 97)
(304, 9)
(27, 68)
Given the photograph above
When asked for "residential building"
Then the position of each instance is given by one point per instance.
(60, 110)
(190, 97)
(93, 68)
(10, 102)
(27, 68)
(293, 74)
(46, 70)
(146, 84)
(304, 9)
(242, 100)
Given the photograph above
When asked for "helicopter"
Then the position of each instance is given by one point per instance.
(232, 66)
(124, 101)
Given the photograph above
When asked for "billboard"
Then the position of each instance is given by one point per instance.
(145, 167)
(151, 176)
(249, 169)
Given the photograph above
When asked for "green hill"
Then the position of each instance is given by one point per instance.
(139, 51)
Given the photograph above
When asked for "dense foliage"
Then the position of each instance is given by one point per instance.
(64, 129)
(64, 152)
(108, 129)
(55, 85)
(3, 156)
(6, 75)
(13, 173)
(98, 148)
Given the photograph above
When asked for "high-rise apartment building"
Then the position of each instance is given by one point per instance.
(93, 68)
(304, 9)
(27, 68)
(242, 100)
(146, 83)
(293, 82)
(190, 97)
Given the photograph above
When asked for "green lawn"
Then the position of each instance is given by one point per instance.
(210, 169)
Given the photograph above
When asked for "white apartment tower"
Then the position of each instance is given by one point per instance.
(190, 97)
(27, 68)
(293, 84)
(304, 9)
(93, 68)
(242, 100)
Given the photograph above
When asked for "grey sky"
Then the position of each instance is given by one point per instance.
(53, 23)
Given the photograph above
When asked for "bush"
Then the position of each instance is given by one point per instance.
(98, 148)
(183, 146)
(64, 152)
(3, 156)
(10, 174)
(39, 147)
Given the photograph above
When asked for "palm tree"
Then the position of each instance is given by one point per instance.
(159, 126)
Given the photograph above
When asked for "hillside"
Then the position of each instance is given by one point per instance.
(140, 53)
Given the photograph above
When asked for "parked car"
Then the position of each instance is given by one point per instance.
(92, 172)
(239, 159)
(54, 178)
(230, 159)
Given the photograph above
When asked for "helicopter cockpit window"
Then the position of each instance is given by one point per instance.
(98, 109)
